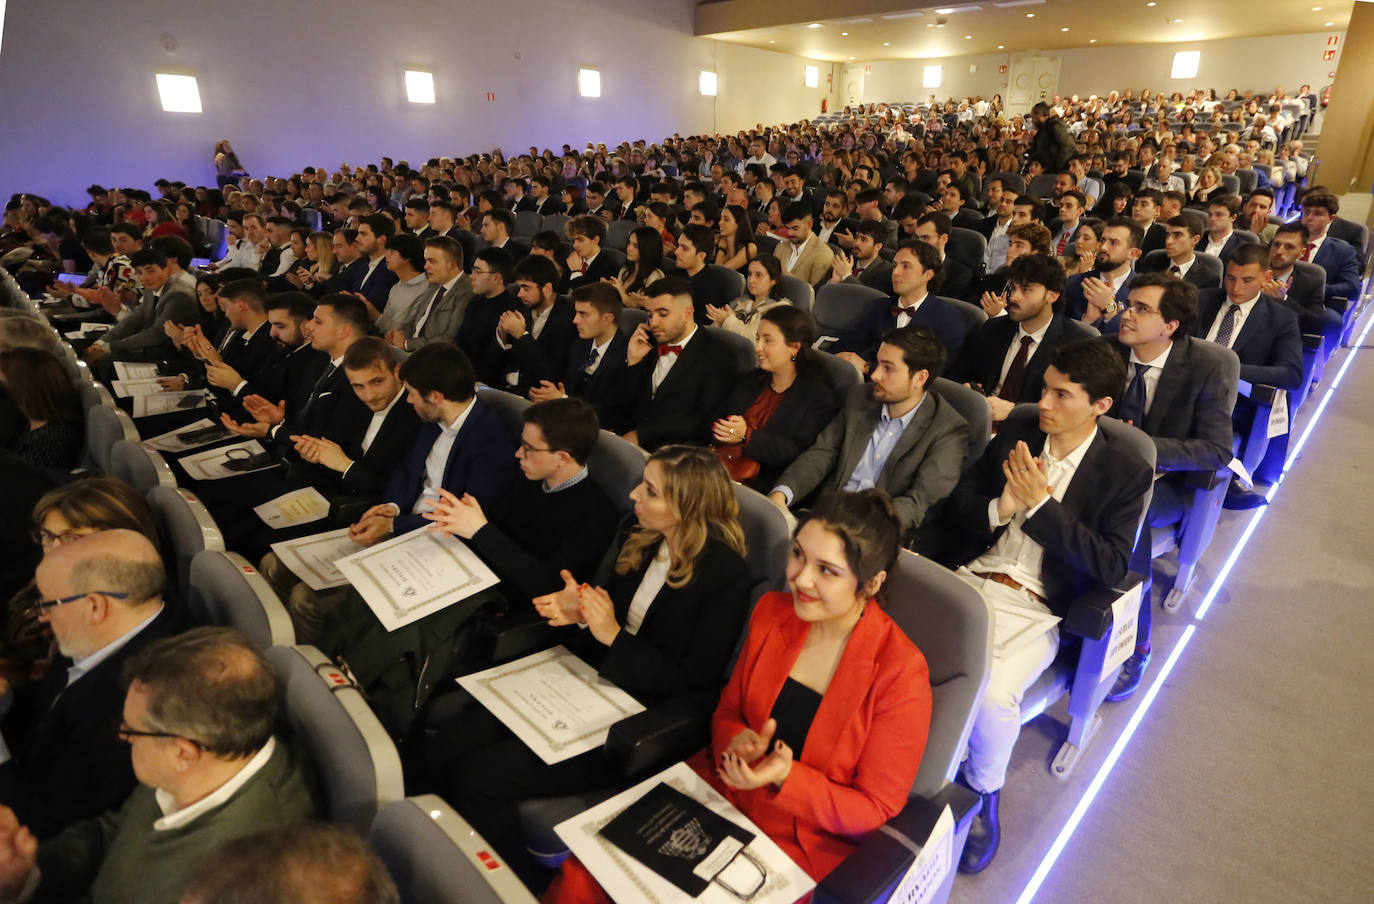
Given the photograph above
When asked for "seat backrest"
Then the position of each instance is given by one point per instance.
(140, 467)
(510, 406)
(766, 244)
(732, 278)
(742, 349)
(767, 540)
(629, 320)
(225, 590)
(618, 233)
(186, 528)
(105, 426)
(1042, 186)
(1080, 330)
(841, 306)
(92, 394)
(356, 761)
(839, 373)
(971, 404)
(313, 219)
(968, 247)
(556, 222)
(527, 222)
(1231, 183)
(617, 466)
(1014, 181)
(798, 291)
(436, 857)
(952, 625)
(616, 256)
(974, 315)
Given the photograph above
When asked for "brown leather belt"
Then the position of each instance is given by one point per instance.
(998, 577)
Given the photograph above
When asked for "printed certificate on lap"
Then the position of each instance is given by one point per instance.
(227, 461)
(296, 507)
(628, 881)
(414, 575)
(553, 701)
(315, 559)
(128, 370)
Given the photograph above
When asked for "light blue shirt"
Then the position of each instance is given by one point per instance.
(81, 666)
(880, 446)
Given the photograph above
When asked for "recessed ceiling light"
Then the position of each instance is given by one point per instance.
(1328, 24)
(1001, 46)
(968, 37)
(943, 11)
(887, 43)
(1316, 9)
(1092, 40)
(814, 25)
(813, 50)
(1030, 15)
(772, 42)
(930, 25)
(844, 34)
(1152, 3)
(1065, 28)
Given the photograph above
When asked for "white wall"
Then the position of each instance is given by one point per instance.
(319, 82)
(1257, 64)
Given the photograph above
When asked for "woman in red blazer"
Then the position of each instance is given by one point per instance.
(820, 731)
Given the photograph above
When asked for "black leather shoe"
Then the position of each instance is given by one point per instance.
(983, 836)
(1132, 670)
(1238, 500)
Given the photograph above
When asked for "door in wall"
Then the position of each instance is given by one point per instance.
(851, 86)
(1033, 79)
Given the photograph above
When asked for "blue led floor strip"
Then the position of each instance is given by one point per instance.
(1090, 794)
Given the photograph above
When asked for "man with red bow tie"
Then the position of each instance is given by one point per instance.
(677, 374)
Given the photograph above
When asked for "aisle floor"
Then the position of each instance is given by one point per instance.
(1250, 777)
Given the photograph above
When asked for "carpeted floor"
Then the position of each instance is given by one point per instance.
(1252, 778)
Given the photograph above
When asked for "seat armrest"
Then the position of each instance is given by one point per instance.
(1259, 393)
(661, 734)
(882, 858)
(1312, 340)
(518, 633)
(1090, 615)
(1205, 480)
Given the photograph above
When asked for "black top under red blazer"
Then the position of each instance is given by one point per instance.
(1087, 538)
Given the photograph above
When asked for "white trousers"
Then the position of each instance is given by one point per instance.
(997, 724)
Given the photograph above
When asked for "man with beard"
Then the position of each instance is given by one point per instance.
(1096, 297)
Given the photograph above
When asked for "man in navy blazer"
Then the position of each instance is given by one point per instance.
(914, 267)
(1333, 255)
(464, 446)
(374, 280)
(1097, 297)
(596, 360)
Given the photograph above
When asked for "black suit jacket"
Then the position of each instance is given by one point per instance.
(21, 486)
(1087, 538)
(1154, 239)
(1190, 416)
(543, 358)
(376, 287)
(68, 763)
(252, 360)
(689, 397)
(1269, 344)
(956, 279)
(935, 313)
(525, 203)
(603, 266)
(986, 349)
(1205, 272)
(331, 409)
(688, 635)
(369, 472)
(477, 334)
(601, 389)
(1306, 295)
(548, 207)
(806, 407)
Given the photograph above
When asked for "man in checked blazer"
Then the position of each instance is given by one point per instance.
(890, 434)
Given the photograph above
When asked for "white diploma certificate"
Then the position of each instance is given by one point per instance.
(293, 508)
(166, 402)
(553, 701)
(127, 388)
(183, 439)
(1016, 626)
(210, 464)
(416, 574)
(129, 370)
(315, 559)
(628, 881)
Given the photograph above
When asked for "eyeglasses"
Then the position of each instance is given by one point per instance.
(1140, 309)
(40, 605)
(127, 734)
(47, 537)
(528, 449)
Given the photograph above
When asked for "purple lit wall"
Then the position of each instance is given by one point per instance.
(317, 82)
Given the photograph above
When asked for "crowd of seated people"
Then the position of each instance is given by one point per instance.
(350, 317)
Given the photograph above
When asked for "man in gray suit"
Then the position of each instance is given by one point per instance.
(890, 434)
(1181, 391)
(1180, 258)
(436, 315)
(141, 336)
(198, 717)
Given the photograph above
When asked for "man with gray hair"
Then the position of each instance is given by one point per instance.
(102, 597)
(198, 718)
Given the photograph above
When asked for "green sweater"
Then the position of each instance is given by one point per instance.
(119, 858)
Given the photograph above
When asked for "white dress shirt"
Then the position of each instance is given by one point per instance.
(1214, 247)
(1183, 268)
(429, 307)
(600, 352)
(374, 426)
(655, 576)
(1036, 338)
(172, 818)
(665, 362)
(437, 460)
(796, 252)
(1154, 368)
(1242, 312)
(906, 312)
(1015, 554)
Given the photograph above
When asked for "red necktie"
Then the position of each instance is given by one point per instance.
(669, 350)
(1175, 271)
(1063, 242)
(1307, 252)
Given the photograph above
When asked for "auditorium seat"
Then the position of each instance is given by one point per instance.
(186, 528)
(105, 426)
(618, 233)
(140, 467)
(225, 590)
(1078, 669)
(1041, 186)
(797, 291)
(731, 278)
(93, 394)
(745, 357)
(510, 406)
(839, 373)
(358, 766)
(556, 222)
(969, 248)
(974, 407)
(436, 857)
(841, 306)
(974, 315)
(631, 318)
(528, 223)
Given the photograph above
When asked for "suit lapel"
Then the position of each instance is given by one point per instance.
(1090, 471)
(1257, 324)
(848, 688)
(920, 421)
(686, 361)
(1170, 382)
(856, 440)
